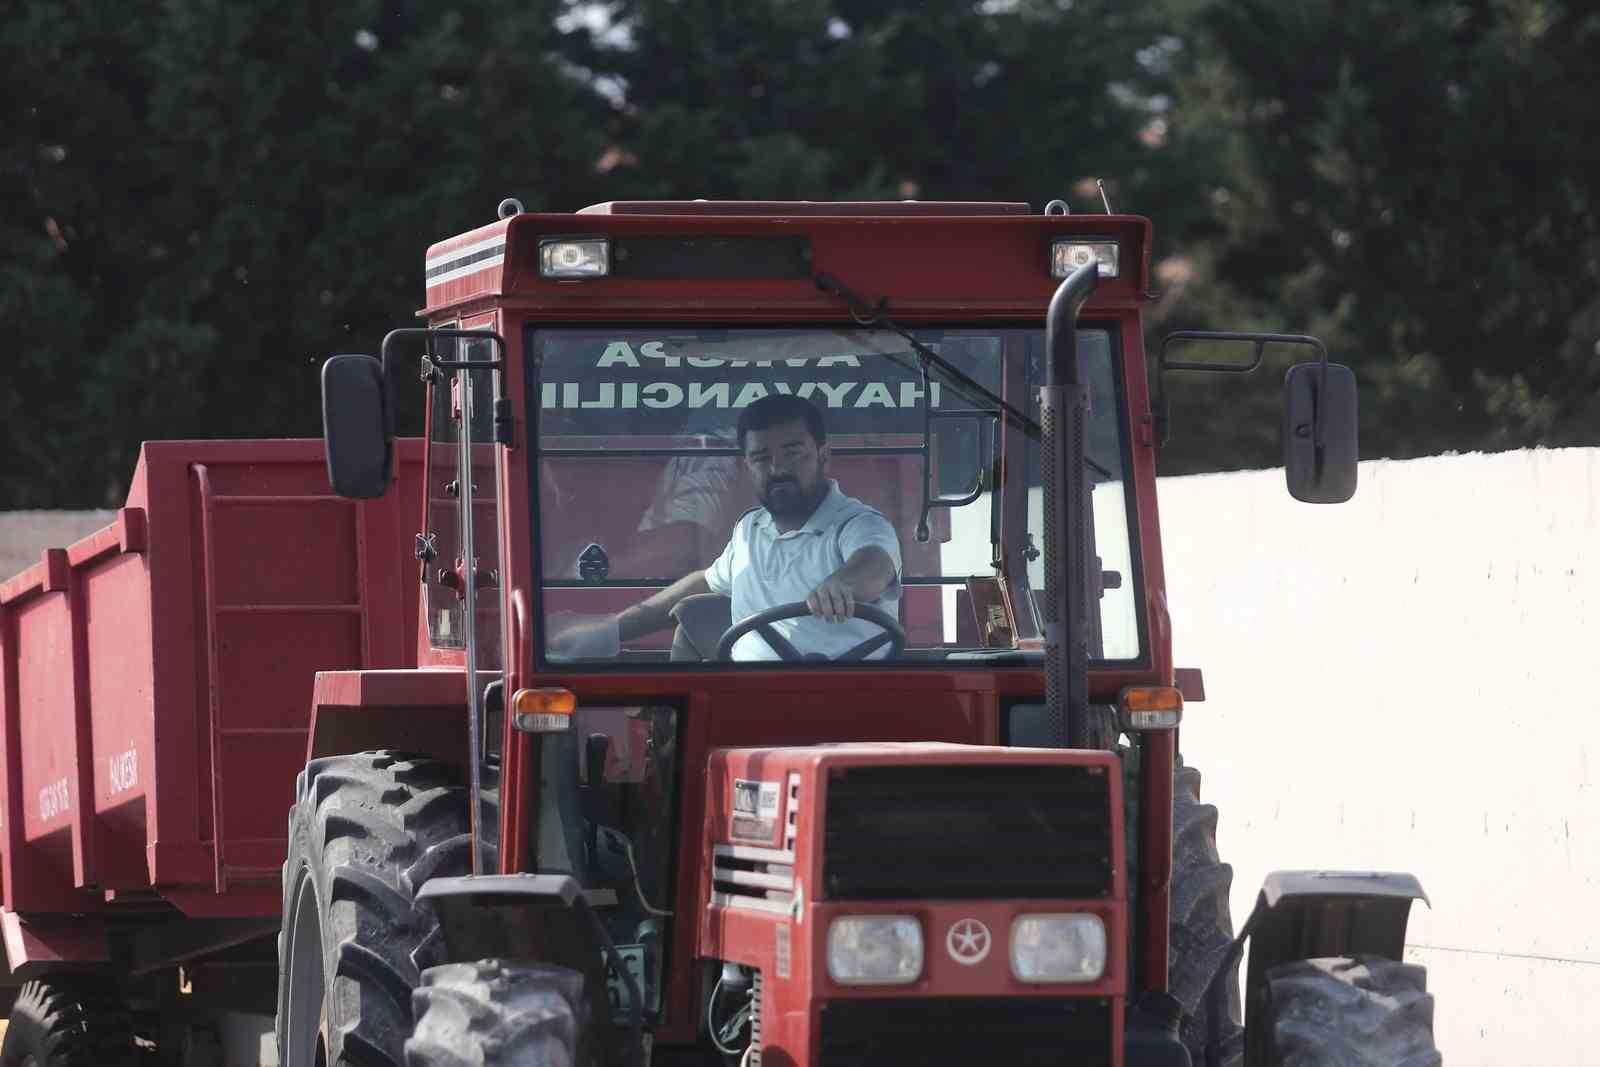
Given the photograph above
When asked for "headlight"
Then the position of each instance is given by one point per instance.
(1068, 256)
(1058, 948)
(574, 257)
(875, 950)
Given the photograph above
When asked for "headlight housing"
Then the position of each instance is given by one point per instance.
(875, 950)
(1068, 256)
(574, 257)
(1058, 948)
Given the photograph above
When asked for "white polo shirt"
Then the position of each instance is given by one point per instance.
(762, 568)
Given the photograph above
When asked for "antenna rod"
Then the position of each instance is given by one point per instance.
(1101, 185)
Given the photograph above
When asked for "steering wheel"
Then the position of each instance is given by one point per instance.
(761, 622)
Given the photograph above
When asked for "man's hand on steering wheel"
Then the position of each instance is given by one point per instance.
(833, 600)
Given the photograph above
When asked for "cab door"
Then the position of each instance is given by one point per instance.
(463, 580)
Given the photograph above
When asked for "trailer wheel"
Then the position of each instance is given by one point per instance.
(62, 1022)
(365, 833)
(1201, 929)
(497, 1013)
(1342, 1012)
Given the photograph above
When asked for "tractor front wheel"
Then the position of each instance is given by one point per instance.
(1342, 1012)
(498, 1013)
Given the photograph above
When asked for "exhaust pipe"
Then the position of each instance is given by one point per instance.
(1063, 415)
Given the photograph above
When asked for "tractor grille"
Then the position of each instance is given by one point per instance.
(963, 832)
(936, 1031)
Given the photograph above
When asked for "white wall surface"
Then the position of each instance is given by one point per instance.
(24, 534)
(1411, 681)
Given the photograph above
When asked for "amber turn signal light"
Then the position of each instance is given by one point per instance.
(1150, 707)
(543, 711)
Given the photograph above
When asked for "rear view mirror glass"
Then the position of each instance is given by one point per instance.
(1325, 474)
(355, 426)
(959, 448)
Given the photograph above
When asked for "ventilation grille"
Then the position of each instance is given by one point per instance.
(747, 877)
(932, 1032)
(964, 832)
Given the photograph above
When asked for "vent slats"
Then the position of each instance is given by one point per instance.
(930, 1032)
(967, 832)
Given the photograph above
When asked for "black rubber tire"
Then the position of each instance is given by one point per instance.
(68, 1022)
(365, 833)
(1342, 1012)
(497, 1013)
(1201, 927)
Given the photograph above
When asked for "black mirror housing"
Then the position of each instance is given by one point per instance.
(357, 430)
(1319, 432)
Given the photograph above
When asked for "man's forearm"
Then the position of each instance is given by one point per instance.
(868, 572)
(653, 613)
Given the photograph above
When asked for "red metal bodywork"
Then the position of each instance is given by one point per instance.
(158, 676)
(795, 988)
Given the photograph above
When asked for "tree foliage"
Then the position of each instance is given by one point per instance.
(1417, 181)
(200, 201)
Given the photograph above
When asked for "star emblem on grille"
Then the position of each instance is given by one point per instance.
(968, 941)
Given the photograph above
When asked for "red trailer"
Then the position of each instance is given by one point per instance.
(531, 741)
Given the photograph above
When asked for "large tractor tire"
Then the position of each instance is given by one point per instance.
(1341, 1012)
(365, 833)
(1201, 930)
(63, 1022)
(497, 1013)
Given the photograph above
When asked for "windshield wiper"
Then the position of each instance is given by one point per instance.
(868, 315)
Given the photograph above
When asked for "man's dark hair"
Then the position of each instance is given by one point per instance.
(775, 409)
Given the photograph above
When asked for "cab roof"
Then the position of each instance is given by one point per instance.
(932, 260)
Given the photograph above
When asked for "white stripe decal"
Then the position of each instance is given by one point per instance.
(470, 268)
(465, 250)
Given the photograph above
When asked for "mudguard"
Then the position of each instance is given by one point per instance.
(546, 917)
(1310, 914)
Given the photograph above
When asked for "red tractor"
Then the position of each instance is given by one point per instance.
(763, 659)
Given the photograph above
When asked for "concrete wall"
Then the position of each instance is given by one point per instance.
(1411, 681)
(24, 534)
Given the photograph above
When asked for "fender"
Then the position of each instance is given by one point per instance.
(420, 711)
(546, 917)
(1310, 914)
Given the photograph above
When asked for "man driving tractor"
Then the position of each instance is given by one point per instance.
(808, 542)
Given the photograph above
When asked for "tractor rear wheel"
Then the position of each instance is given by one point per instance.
(498, 1013)
(1342, 1012)
(1201, 930)
(365, 833)
(67, 1022)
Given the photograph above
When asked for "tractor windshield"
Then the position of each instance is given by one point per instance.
(930, 471)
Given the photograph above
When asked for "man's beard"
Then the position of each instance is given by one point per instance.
(786, 500)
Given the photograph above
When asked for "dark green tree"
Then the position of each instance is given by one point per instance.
(200, 201)
(830, 99)
(1416, 182)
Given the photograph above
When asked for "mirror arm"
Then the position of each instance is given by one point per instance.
(431, 364)
(923, 532)
(1161, 406)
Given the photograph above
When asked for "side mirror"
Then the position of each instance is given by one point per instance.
(1319, 432)
(356, 427)
(960, 445)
